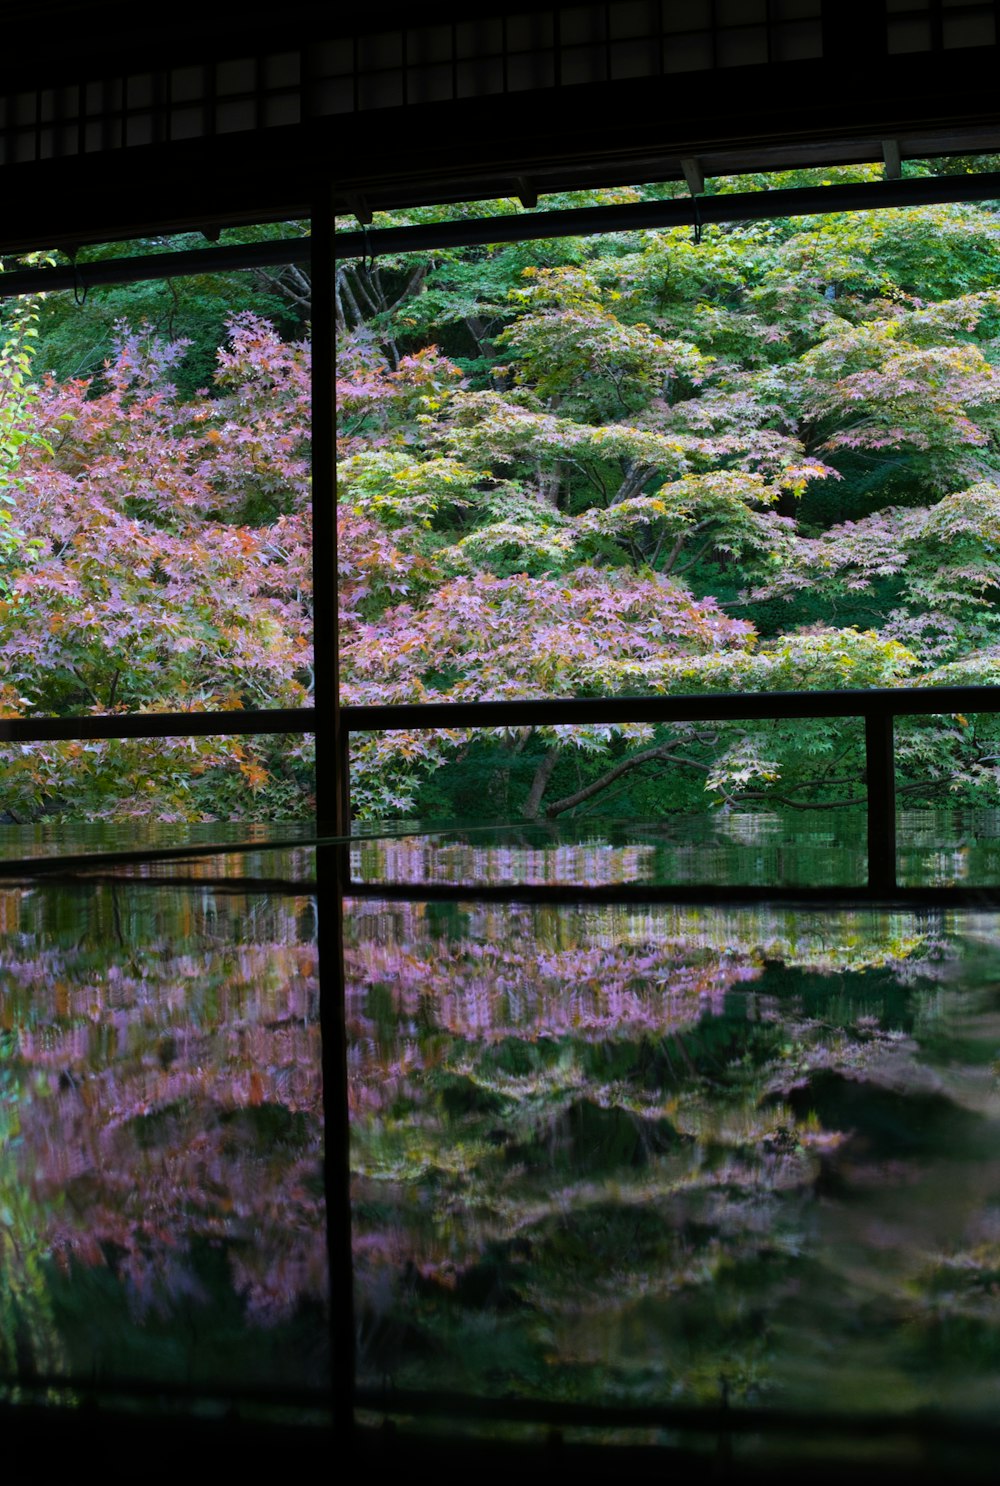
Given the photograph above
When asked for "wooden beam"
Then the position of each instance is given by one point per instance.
(694, 175)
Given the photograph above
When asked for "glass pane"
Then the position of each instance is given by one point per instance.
(526, 32)
(906, 35)
(970, 30)
(686, 15)
(689, 53)
(479, 38)
(821, 849)
(740, 12)
(744, 46)
(634, 18)
(711, 793)
(796, 40)
(635, 58)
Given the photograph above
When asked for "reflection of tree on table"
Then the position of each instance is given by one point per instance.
(611, 1154)
(165, 1072)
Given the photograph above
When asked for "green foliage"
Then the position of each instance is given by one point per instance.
(767, 460)
(77, 330)
(19, 428)
(795, 424)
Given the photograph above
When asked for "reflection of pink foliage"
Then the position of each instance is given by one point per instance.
(502, 980)
(171, 1098)
(412, 859)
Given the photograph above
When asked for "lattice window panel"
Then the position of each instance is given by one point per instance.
(939, 25)
(560, 47)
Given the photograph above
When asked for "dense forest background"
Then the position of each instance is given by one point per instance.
(642, 463)
(638, 463)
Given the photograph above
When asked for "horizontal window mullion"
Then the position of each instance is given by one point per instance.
(230, 257)
(740, 206)
(156, 725)
(903, 701)
(674, 894)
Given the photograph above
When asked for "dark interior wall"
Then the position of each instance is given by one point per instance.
(740, 100)
(116, 120)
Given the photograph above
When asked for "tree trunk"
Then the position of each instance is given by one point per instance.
(533, 804)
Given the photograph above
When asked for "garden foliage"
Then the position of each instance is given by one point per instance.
(632, 464)
(641, 464)
(157, 557)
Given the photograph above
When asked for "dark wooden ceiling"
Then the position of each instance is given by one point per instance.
(846, 105)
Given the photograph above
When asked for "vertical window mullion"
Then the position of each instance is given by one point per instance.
(331, 788)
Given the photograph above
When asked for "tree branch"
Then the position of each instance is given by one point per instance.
(672, 555)
(648, 755)
(633, 482)
(413, 283)
(300, 295)
(362, 288)
(691, 561)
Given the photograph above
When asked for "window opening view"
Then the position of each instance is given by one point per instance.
(757, 457)
(156, 553)
(162, 1126)
(629, 1165)
(623, 1073)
